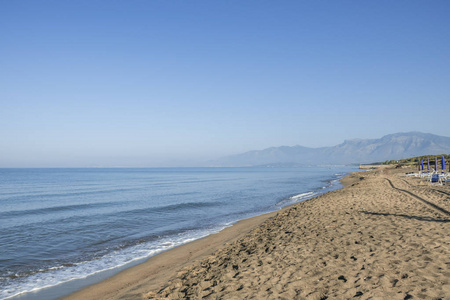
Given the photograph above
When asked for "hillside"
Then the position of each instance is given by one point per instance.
(357, 151)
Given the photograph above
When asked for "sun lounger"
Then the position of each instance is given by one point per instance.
(435, 179)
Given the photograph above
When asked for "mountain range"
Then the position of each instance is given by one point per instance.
(357, 151)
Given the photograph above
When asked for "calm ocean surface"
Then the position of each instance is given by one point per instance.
(60, 226)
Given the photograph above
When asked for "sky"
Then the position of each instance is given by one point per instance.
(174, 83)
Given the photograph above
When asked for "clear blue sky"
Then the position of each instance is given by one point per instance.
(165, 83)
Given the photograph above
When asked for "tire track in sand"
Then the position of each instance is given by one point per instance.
(429, 189)
(436, 207)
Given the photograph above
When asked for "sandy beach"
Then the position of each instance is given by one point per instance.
(383, 236)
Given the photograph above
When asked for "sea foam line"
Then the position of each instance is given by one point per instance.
(60, 274)
(117, 259)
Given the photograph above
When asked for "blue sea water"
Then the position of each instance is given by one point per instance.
(63, 225)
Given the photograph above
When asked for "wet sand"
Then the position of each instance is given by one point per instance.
(383, 236)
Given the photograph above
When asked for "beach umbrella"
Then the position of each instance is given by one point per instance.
(422, 164)
(443, 163)
(428, 164)
(435, 164)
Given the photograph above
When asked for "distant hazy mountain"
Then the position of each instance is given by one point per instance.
(389, 147)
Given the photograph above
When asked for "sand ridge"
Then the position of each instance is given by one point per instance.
(370, 240)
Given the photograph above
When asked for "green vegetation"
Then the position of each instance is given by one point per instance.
(413, 161)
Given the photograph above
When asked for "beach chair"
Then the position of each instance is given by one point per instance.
(425, 175)
(412, 174)
(445, 178)
(435, 179)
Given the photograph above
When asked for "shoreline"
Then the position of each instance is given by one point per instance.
(158, 269)
(167, 262)
(155, 271)
(43, 288)
(371, 239)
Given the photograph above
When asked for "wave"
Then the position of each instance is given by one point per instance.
(330, 185)
(296, 198)
(137, 226)
(53, 209)
(18, 284)
(302, 196)
(64, 194)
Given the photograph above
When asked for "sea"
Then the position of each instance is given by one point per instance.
(63, 229)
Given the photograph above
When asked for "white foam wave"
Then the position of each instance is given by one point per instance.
(56, 275)
(302, 196)
(308, 195)
(61, 274)
(296, 198)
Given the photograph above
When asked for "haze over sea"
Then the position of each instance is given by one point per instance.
(60, 225)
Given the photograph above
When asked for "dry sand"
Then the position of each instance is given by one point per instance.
(383, 236)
